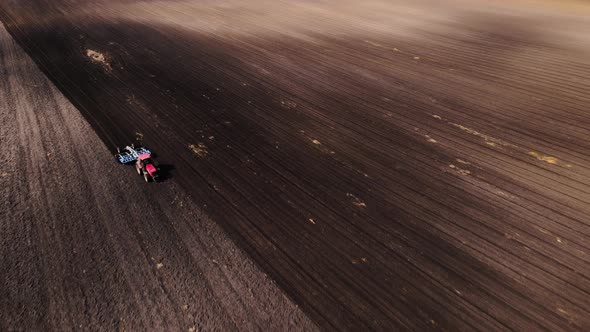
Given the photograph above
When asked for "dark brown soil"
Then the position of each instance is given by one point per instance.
(391, 165)
(85, 244)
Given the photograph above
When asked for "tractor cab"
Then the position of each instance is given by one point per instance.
(145, 159)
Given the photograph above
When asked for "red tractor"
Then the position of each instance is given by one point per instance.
(142, 157)
(145, 166)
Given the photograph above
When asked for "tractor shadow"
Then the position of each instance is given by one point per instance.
(165, 172)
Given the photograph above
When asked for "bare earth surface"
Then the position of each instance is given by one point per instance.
(85, 245)
(390, 164)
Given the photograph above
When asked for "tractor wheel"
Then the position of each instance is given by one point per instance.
(137, 169)
(146, 177)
